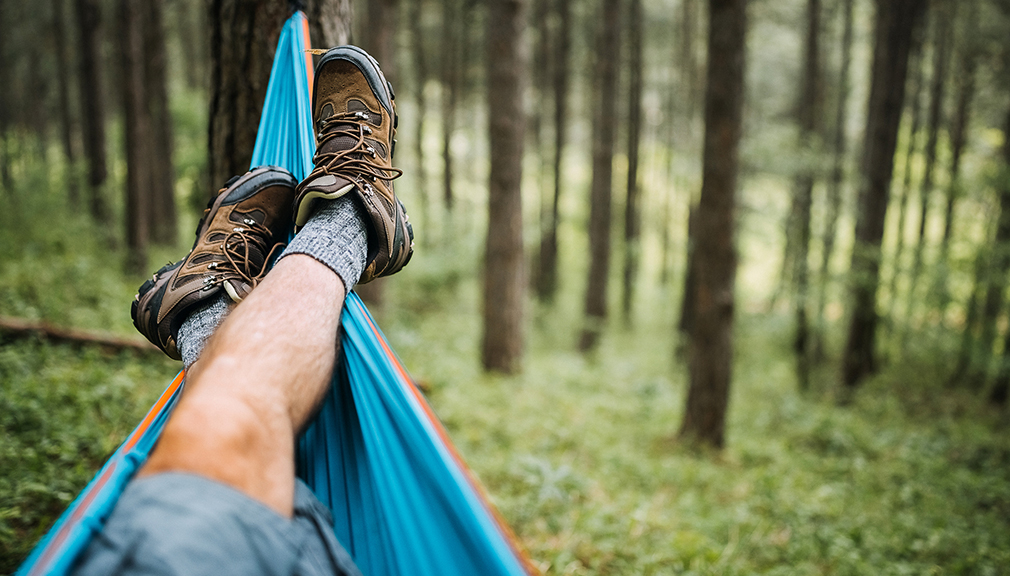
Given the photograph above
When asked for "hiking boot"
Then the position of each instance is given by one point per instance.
(354, 118)
(241, 230)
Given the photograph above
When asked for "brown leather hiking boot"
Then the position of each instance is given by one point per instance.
(355, 121)
(241, 230)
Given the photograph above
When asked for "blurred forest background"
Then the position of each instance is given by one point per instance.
(700, 287)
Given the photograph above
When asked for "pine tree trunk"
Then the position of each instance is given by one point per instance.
(711, 346)
(63, 79)
(380, 41)
(329, 22)
(547, 275)
(918, 83)
(631, 216)
(504, 271)
(450, 92)
(137, 135)
(89, 21)
(244, 36)
(958, 137)
(834, 204)
(604, 128)
(420, 61)
(809, 120)
(162, 211)
(892, 43)
(941, 47)
(5, 107)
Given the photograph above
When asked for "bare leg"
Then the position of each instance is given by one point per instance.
(257, 383)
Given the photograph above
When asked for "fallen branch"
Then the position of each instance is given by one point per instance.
(20, 328)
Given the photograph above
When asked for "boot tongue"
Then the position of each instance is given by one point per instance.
(338, 143)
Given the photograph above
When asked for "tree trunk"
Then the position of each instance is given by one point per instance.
(958, 137)
(329, 22)
(5, 107)
(420, 61)
(941, 46)
(63, 79)
(547, 274)
(381, 39)
(711, 346)
(604, 128)
(686, 322)
(139, 176)
(450, 92)
(89, 21)
(834, 207)
(892, 42)
(162, 211)
(244, 36)
(809, 120)
(631, 216)
(918, 83)
(504, 271)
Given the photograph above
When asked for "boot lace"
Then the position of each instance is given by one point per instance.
(359, 162)
(237, 247)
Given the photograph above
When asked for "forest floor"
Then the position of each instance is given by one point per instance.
(910, 477)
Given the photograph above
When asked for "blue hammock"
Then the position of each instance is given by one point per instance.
(403, 500)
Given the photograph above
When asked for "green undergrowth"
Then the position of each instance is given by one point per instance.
(578, 452)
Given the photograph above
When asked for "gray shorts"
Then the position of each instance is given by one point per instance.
(185, 524)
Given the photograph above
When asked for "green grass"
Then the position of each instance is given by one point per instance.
(577, 452)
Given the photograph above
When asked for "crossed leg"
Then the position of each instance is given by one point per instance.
(257, 383)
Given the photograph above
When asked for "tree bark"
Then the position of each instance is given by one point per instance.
(918, 82)
(329, 22)
(504, 271)
(958, 137)
(809, 121)
(450, 91)
(244, 37)
(162, 212)
(892, 42)
(89, 21)
(604, 128)
(381, 39)
(63, 79)
(631, 216)
(547, 275)
(837, 179)
(5, 107)
(420, 61)
(139, 176)
(941, 47)
(711, 345)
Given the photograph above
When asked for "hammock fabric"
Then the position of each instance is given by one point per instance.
(403, 500)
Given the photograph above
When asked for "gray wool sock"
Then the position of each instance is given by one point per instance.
(198, 327)
(335, 235)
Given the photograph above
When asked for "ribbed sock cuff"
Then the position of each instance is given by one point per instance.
(199, 326)
(336, 236)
